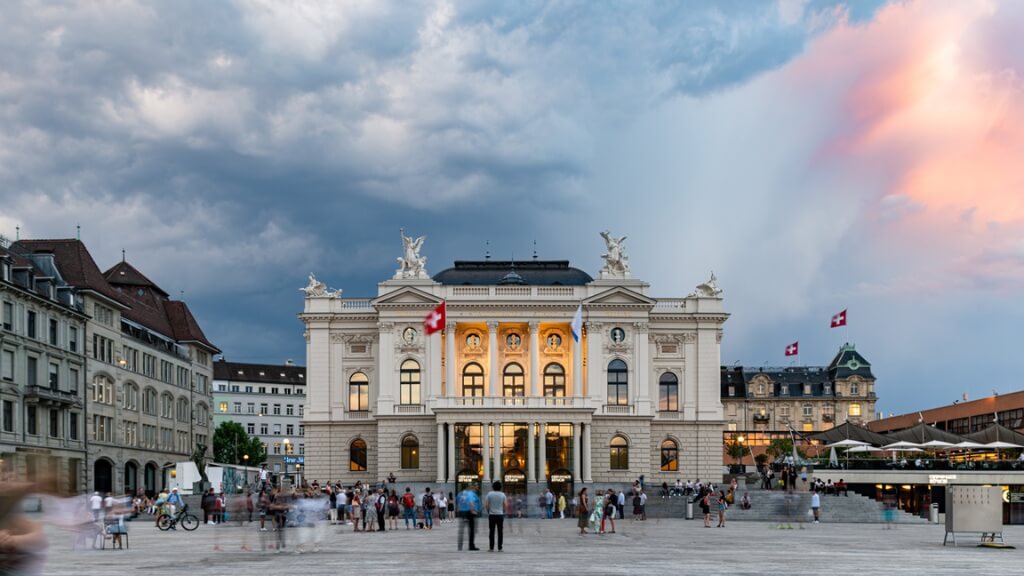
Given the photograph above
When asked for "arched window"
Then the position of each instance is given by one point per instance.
(149, 401)
(410, 453)
(668, 393)
(130, 400)
(357, 455)
(473, 380)
(183, 412)
(410, 382)
(669, 455)
(359, 393)
(554, 380)
(513, 381)
(619, 454)
(618, 383)
(202, 415)
(166, 405)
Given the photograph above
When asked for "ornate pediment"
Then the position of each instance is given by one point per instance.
(407, 296)
(618, 296)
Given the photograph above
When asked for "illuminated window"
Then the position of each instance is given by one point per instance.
(223, 407)
(618, 383)
(357, 456)
(619, 453)
(410, 382)
(473, 380)
(669, 456)
(854, 409)
(358, 393)
(410, 452)
(668, 392)
(554, 380)
(513, 381)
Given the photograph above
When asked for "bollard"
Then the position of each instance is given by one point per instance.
(933, 514)
(689, 509)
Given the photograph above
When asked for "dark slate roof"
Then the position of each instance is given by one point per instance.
(848, 362)
(733, 377)
(793, 378)
(32, 275)
(531, 272)
(74, 262)
(996, 433)
(151, 307)
(271, 373)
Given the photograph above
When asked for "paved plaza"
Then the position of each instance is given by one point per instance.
(553, 547)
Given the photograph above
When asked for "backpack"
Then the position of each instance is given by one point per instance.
(429, 502)
(408, 501)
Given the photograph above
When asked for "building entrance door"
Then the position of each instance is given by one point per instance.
(561, 482)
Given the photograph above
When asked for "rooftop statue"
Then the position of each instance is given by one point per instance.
(411, 264)
(615, 259)
(708, 289)
(318, 289)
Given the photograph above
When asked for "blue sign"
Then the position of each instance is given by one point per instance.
(294, 460)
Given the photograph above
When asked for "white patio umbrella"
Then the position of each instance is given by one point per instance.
(833, 460)
(846, 444)
(861, 449)
(1002, 445)
(968, 445)
(937, 444)
(901, 446)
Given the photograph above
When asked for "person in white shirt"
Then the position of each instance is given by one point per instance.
(341, 502)
(96, 505)
(442, 507)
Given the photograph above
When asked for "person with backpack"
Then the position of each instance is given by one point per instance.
(705, 507)
(393, 510)
(429, 505)
(409, 508)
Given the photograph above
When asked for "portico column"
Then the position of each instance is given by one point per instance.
(576, 476)
(440, 453)
(450, 387)
(587, 452)
(486, 441)
(542, 464)
(534, 359)
(451, 453)
(497, 451)
(577, 368)
(531, 474)
(492, 349)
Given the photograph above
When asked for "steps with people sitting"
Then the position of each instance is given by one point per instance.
(781, 506)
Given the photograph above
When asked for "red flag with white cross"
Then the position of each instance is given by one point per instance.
(793, 349)
(434, 322)
(839, 319)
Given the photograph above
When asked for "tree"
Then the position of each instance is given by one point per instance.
(782, 447)
(735, 450)
(231, 444)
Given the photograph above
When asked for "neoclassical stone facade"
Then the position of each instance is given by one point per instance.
(505, 391)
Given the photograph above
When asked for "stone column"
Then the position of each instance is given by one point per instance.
(440, 453)
(451, 453)
(497, 451)
(535, 389)
(486, 442)
(543, 452)
(642, 373)
(531, 474)
(451, 388)
(587, 452)
(577, 368)
(492, 349)
(576, 474)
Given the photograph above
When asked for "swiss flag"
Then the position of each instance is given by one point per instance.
(793, 349)
(839, 319)
(434, 322)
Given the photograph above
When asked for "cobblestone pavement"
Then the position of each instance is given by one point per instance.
(550, 547)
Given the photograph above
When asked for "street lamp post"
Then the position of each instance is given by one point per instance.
(245, 477)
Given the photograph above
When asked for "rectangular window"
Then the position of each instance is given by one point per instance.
(277, 429)
(248, 389)
(808, 427)
(54, 376)
(223, 407)
(302, 429)
(302, 449)
(289, 429)
(234, 388)
(277, 409)
(54, 326)
(277, 447)
(854, 389)
(263, 429)
(250, 428)
(7, 365)
(251, 408)
(73, 339)
(31, 378)
(732, 391)
(8, 316)
(30, 324)
(854, 409)
(54, 423)
(263, 410)
(73, 426)
(289, 410)
(301, 410)
(273, 390)
(31, 423)
(238, 407)
(8, 413)
(263, 389)
(828, 390)
(131, 433)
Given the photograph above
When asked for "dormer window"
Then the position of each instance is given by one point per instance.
(807, 389)
(854, 389)
(6, 271)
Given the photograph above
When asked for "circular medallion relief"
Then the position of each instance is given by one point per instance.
(409, 335)
(513, 341)
(618, 335)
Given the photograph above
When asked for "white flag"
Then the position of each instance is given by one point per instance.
(577, 324)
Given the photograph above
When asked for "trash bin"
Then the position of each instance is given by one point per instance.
(933, 514)
(689, 509)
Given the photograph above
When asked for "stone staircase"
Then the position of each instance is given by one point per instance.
(783, 507)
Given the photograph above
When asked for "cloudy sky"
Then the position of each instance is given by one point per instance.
(816, 155)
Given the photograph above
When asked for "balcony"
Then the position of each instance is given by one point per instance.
(827, 417)
(51, 396)
(619, 409)
(409, 409)
(762, 418)
(491, 402)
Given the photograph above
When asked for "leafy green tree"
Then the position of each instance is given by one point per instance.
(231, 444)
(735, 450)
(782, 447)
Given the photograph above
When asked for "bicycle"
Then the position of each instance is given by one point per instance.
(187, 520)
